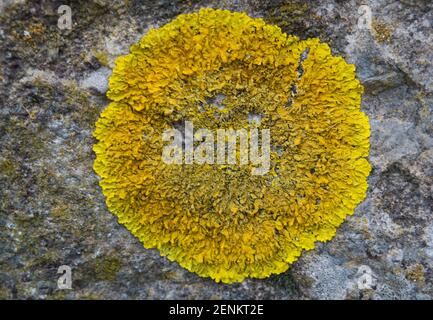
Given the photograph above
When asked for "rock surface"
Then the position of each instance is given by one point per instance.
(52, 211)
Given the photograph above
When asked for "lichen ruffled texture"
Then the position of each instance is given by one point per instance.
(215, 68)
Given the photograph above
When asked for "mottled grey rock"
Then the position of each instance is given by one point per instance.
(52, 211)
(97, 80)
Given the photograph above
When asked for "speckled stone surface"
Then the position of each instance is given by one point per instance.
(52, 211)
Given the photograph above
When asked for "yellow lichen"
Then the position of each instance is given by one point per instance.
(102, 58)
(222, 221)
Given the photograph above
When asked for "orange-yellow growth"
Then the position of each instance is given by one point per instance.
(222, 221)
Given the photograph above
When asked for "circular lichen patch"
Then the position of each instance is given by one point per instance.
(215, 69)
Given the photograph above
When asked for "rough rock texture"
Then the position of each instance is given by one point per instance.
(52, 211)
